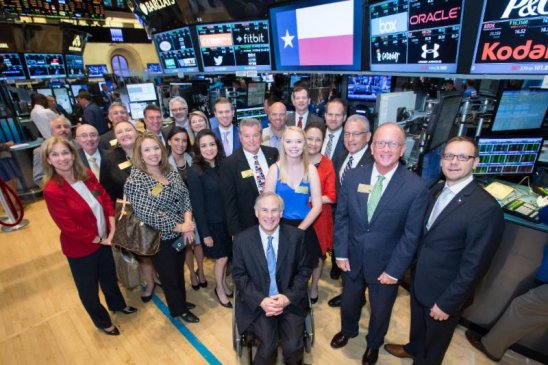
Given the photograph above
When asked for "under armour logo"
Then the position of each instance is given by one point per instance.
(433, 51)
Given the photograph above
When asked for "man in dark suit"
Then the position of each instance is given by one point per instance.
(380, 210)
(464, 225)
(355, 135)
(271, 271)
(335, 115)
(226, 131)
(301, 100)
(154, 122)
(117, 113)
(243, 176)
(88, 140)
(92, 113)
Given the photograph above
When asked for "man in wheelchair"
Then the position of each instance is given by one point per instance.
(271, 269)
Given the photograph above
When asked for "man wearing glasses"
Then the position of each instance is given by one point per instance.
(378, 223)
(178, 108)
(463, 228)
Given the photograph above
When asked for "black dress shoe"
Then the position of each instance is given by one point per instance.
(335, 301)
(340, 340)
(129, 310)
(226, 305)
(190, 305)
(189, 317)
(112, 332)
(370, 357)
(475, 340)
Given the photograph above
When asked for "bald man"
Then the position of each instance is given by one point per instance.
(277, 122)
(88, 139)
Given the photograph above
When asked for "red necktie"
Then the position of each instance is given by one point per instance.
(300, 122)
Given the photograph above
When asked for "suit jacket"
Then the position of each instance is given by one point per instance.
(239, 193)
(104, 140)
(74, 217)
(389, 242)
(235, 137)
(311, 118)
(456, 251)
(250, 273)
(85, 159)
(339, 146)
(338, 161)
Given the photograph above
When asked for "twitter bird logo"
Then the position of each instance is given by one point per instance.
(218, 60)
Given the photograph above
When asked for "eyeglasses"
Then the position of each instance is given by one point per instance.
(179, 109)
(86, 135)
(450, 157)
(392, 145)
(353, 134)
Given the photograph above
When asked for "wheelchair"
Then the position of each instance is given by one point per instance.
(248, 340)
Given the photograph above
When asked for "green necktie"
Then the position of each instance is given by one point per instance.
(374, 197)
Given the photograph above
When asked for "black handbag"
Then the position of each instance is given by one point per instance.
(132, 234)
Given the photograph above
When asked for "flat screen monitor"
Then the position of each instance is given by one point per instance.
(255, 93)
(415, 35)
(176, 51)
(254, 112)
(75, 65)
(11, 67)
(137, 109)
(154, 68)
(367, 87)
(45, 65)
(521, 110)
(512, 38)
(443, 117)
(388, 106)
(318, 35)
(63, 99)
(116, 35)
(97, 70)
(508, 155)
(141, 92)
(242, 46)
(267, 77)
(75, 88)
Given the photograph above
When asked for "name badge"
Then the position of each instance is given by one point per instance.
(157, 190)
(113, 142)
(365, 189)
(124, 165)
(247, 173)
(301, 190)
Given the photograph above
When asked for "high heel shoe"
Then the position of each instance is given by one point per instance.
(226, 305)
(197, 286)
(113, 332)
(203, 284)
(147, 298)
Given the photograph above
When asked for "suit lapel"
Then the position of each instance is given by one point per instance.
(436, 191)
(258, 252)
(362, 197)
(244, 166)
(282, 248)
(457, 201)
(390, 192)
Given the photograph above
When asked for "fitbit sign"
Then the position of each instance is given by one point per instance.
(389, 24)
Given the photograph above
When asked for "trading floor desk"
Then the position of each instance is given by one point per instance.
(511, 274)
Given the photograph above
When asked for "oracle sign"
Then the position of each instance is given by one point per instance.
(437, 16)
(494, 52)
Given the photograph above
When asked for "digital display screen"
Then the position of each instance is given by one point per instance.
(45, 65)
(367, 87)
(255, 93)
(254, 112)
(116, 35)
(243, 46)
(176, 51)
(415, 35)
(141, 92)
(521, 109)
(63, 99)
(89, 9)
(137, 109)
(501, 156)
(321, 35)
(154, 68)
(512, 38)
(97, 70)
(11, 67)
(75, 65)
(75, 88)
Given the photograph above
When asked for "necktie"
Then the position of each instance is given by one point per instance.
(271, 260)
(329, 145)
(300, 122)
(259, 174)
(94, 167)
(225, 143)
(374, 197)
(441, 203)
(347, 167)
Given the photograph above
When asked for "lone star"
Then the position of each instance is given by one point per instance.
(288, 39)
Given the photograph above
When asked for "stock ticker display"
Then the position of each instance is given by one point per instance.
(176, 51)
(11, 67)
(84, 9)
(242, 46)
(415, 35)
(512, 38)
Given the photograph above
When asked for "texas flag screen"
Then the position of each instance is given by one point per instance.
(317, 35)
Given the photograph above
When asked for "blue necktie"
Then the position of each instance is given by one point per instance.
(271, 259)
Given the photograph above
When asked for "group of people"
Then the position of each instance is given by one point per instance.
(274, 202)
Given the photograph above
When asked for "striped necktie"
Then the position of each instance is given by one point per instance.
(348, 167)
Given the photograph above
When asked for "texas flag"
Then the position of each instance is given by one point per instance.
(317, 35)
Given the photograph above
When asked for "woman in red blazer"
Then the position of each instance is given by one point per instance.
(83, 211)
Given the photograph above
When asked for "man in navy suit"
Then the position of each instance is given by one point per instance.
(380, 210)
(154, 122)
(271, 271)
(464, 225)
(335, 115)
(301, 101)
(226, 131)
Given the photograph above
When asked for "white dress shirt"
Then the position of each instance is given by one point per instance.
(229, 137)
(355, 160)
(275, 241)
(336, 135)
(251, 162)
(305, 118)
